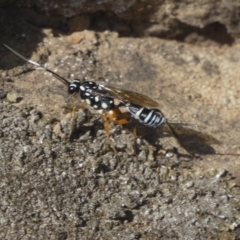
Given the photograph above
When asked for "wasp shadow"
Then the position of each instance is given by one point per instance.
(193, 141)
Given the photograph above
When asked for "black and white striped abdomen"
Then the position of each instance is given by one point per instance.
(148, 117)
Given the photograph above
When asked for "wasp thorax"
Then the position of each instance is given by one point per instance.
(74, 87)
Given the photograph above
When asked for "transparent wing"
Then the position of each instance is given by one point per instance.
(126, 95)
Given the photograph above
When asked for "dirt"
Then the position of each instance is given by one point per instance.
(64, 183)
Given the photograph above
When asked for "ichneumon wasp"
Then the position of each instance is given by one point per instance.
(115, 104)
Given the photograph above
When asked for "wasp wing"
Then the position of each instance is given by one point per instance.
(127, 96)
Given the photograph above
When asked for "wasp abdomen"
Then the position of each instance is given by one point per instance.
(148, 117)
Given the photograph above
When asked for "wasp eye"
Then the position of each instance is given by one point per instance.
(72, 88)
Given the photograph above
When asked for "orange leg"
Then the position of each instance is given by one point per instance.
(74, 117)
(135, 139)
(117, 117)
(106, 123)
(123, 118)
(107, 130)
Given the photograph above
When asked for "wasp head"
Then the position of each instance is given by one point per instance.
(74, 86)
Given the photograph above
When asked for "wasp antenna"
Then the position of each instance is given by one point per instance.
(22, 57)
(40, 67)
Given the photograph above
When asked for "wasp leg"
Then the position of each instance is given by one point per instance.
(74, 117)
(124, 118)
(120, 118)
(71, 106)
(117, 117)
(72, 109)
(71, 103)
(107, 130)
(135, 139)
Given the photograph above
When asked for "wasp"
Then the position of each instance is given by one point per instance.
(116, 105)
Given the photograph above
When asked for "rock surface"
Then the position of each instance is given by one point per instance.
(63, 181)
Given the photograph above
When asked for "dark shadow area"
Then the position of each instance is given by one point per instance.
(23, 31)
(129, 215)
(216, 32)
(19, 34)
(103, 21)
(183, 32)
(193, 141)
(180, 31)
